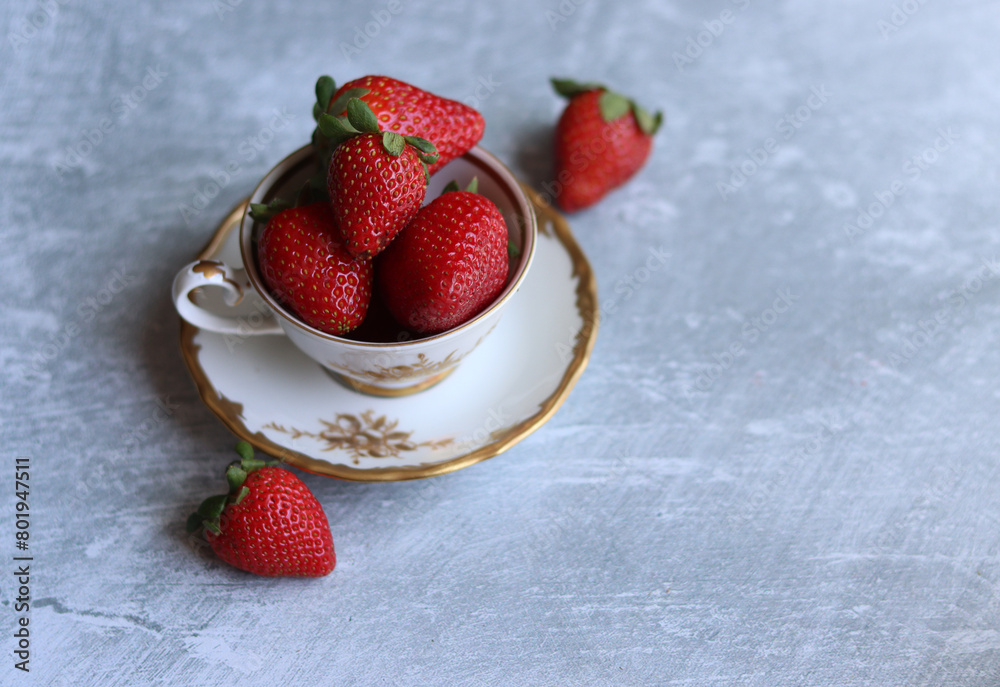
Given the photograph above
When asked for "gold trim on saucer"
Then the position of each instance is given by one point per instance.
(231, 413)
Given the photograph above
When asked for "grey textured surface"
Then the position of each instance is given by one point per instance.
(732, 495)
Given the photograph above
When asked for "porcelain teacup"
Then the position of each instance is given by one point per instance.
(375, 359)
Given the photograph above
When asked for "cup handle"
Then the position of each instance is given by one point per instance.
(234, 282)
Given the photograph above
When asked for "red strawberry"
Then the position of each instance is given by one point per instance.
(602, 139)
(448, 264)
(453, 127)
(376, 180)
(268, 524)
(306, 266)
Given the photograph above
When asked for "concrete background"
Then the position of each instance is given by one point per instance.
(779, 468)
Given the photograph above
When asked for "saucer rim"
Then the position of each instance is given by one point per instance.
(231, 412)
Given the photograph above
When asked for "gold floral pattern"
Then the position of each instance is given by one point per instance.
(362, 436)
(423, 367)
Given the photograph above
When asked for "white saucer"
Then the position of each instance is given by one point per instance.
(271, 394)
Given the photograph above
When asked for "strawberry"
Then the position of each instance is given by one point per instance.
(453, 127)
(269, 523)
(376, 180)
(602, 139)
(306, 266)
(448, 264)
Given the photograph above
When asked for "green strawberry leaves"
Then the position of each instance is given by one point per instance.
(261, 212)
(393, 143)
(210, 511)
(361, 117)
(334, 130)
(339, 118)
(568, 88)
(331, 130)
(362, 120)
(426, 151)
(325, 88)
(612, 105)
(245, 451)
(340, 103)
(649, 124)
(452, 185)
(208, 514)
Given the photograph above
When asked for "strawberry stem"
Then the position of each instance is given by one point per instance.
(210, 511)
(245, 450)
(263, 213)
(235, 477)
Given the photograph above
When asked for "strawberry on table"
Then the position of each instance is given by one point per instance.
(453, 127)
(305, 265)
(376, 180)
(269, 523)
(448, 264)
(601, 140)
